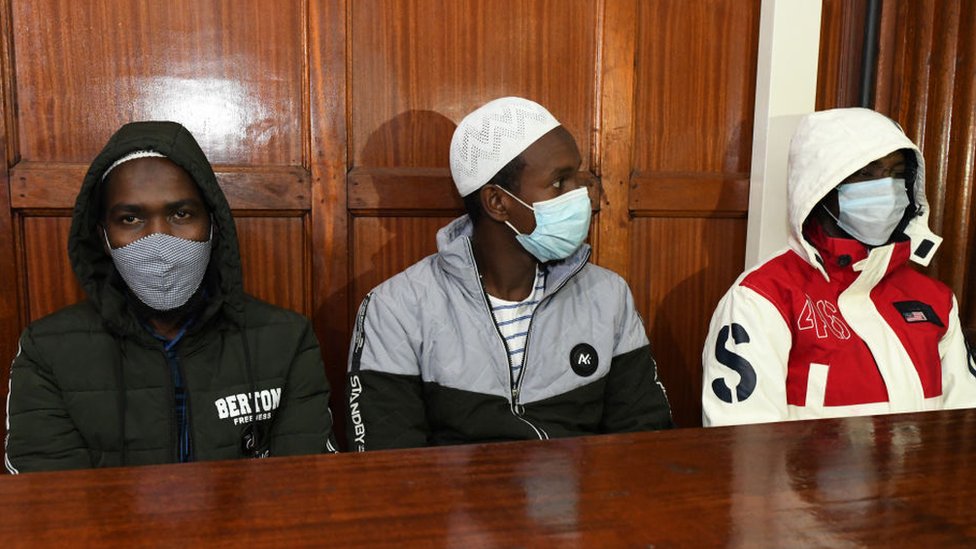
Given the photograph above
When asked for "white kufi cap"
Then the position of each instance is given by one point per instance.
(491, 136)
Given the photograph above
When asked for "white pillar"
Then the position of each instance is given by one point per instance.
(786, 89)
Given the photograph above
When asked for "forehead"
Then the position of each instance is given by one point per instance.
(553, 151)
(889, 160)
(145, 180)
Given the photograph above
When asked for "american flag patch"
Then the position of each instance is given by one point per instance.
(914, 316)
(916, 311)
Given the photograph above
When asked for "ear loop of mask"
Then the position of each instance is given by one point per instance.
(520, 201)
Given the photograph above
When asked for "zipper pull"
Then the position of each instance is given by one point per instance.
(515, 395)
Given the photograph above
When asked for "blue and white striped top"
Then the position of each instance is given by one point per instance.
(513, 319)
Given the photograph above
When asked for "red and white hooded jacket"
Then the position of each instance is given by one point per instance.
(829, 327)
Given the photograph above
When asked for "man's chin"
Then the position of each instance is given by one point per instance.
(177, 314)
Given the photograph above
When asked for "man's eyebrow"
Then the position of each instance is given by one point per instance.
(183, 203)
(565, 170)
(125, 208)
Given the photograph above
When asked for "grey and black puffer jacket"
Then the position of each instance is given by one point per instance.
(428, 366)
(91, 387)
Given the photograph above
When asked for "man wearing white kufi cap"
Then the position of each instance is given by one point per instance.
(507, 332)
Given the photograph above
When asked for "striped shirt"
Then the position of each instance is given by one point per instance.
(512, 319)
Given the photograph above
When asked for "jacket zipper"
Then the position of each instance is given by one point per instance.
(513, 403)
(528, 332)
(516, 387)
(173, 427)
(187, 416)
(513, 391)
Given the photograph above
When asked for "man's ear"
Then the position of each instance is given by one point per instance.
(493, 203)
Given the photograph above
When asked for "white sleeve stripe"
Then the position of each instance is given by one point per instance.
(6, 458)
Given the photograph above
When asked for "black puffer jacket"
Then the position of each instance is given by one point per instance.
(90, 387)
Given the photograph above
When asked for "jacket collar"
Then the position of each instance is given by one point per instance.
(843, 259)
(455, 257)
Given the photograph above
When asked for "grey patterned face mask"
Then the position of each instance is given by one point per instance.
(162, 270)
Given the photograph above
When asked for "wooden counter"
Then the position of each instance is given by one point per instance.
(882, 481)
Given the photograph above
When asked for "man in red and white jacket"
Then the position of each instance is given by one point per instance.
(839, 324)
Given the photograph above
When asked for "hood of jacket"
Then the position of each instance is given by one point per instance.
(827, 147)
(456, 258)
(86, 245)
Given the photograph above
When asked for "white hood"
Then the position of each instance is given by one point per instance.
(830, 145)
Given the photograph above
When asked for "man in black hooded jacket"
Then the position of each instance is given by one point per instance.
(168, 360)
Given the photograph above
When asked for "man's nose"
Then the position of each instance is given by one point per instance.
(592, 185)
(158, 224)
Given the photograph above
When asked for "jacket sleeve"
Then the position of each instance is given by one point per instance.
(384, 391)
(745, 361)
(303, 424)
(958, 365)
(635, 399)
(41, 435)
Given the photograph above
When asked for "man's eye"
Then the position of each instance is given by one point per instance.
(181, 214)
(129, 219)
(558, 183)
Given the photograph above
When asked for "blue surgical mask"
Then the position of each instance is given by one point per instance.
(561, 225)
(870, 210)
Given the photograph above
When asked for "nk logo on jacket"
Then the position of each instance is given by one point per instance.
(242, 410)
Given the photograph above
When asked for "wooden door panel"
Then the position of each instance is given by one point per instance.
(231, 71)
(681, 268)
(51, 283)
(273, 260)
(56, 185)
(925, 81)
(384, 246)
(689, 185)
(418, 67)
(696, 74)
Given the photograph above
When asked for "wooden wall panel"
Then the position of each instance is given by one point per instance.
(610, 231)
(229, 70)
(51, 283)
(695, 89)
(689, 264)
(927, 81)
(417, 67)
(384, 246)
(329, 223)
(12, 306)
(56, 185)
(841, 53)
(696, 79)
(273, 258)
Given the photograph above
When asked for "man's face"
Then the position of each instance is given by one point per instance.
(153, 195)
(551, 168)
(893, 165)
